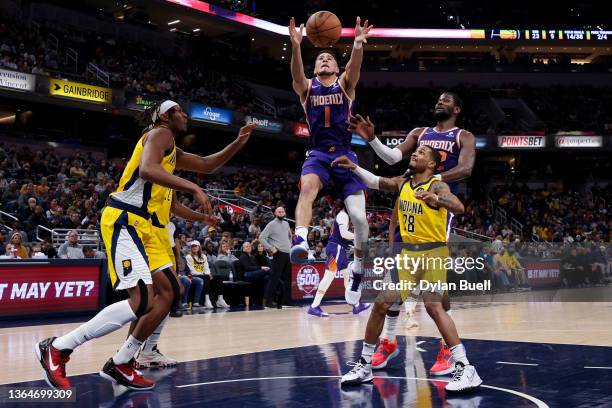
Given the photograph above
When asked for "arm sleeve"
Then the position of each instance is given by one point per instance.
(371, 180)
(389, 155)
(343, 223)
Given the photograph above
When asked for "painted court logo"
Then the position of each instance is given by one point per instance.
(308, 279)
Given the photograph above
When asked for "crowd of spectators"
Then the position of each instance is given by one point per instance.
(546, 214)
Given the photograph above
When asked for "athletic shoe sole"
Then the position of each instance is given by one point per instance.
(384, 363)
(464, 390)
(443, 372)
(111, 379)
(358, 382)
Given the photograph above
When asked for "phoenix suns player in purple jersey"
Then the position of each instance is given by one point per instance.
(327, 100)
(457, 149)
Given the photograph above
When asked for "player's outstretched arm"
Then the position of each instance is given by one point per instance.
(350, 77)
(371, 180)
(439, 195)
(211, 163)
(365, 129)
(300, 82)
(465, 164)
(188, 214)
(159, 141)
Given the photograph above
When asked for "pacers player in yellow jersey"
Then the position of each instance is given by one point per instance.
(137, 248)
(422, 208)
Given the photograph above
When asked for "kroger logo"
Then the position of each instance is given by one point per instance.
(211, 114)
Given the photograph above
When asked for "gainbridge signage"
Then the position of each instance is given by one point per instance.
(521, 142)
(77, 90)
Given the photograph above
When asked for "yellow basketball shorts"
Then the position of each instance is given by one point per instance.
(163, 236)
(133, 249)
(423, 270)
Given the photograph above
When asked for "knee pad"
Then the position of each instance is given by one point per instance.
(144, 299)
(176, 290)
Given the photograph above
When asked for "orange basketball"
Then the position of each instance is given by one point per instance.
(323, 29)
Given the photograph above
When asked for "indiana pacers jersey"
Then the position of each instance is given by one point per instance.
(417, 221)
(132, 224)
(144, 197)
(327, 110)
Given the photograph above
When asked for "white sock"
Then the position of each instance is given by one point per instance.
(151, 342)
(127, 351)
(206, 299)
(220, 297)
(302, 232)
(366, 352)
(389, 328)
(459, 354)
(108, 320)
(410, 305)
(323, 286)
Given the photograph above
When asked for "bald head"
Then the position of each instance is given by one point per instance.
(280, 212)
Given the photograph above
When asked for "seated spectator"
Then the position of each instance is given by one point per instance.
(501, 271)
(518, 272)
(15, 248)
(90, 252)
(225, 253)
(198, 267)
(253, 272)
(18, 228)
(48, 248)
(261, 255)
(37, 252)
(71, 248)
(319, 252)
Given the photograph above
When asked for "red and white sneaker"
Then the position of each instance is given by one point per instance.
(126, 375)
(53, 362)
(444, 362)
(386, 351)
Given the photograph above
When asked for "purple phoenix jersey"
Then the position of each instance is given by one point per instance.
(327, 109)
(449, 146)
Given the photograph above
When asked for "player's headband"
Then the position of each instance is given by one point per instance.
(163, 108)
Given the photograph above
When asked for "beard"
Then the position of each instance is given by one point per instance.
(441, 115)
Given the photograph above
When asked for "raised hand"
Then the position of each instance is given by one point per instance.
(202, 198)
(343, 162)
(245, 133)
(362, 33)
(430, 198)
(363, 127)
(295, 34)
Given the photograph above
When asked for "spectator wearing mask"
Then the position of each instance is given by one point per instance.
(276, 237)
(198, 267)
(71, 248)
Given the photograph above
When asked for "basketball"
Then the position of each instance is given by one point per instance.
(323, 29)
